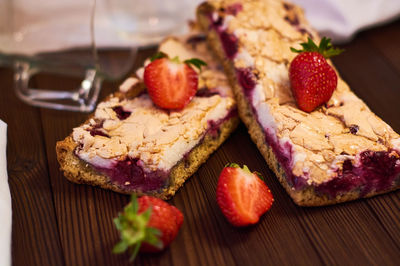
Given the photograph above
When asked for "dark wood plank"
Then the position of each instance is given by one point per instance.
(385, 40)
(35, 238)
(387, 211)
(349, 231)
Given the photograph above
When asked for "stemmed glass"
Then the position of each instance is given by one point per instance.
(58, 37)
(96, 40)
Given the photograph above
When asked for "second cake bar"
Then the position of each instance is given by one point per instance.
(339, 152)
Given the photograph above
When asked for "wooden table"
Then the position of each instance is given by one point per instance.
(56, 222)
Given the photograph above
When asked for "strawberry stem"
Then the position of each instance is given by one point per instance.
(191, 62)
(259, 175)
(135, 252)
(246, 169)
(325, 48)
(158, 55)
(176, 60)
(234, 165)
(133, 229)
(195, 62)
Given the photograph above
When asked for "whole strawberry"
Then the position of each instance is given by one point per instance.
(148, 224)
(242, 196)
(171, 83)
(312, 79)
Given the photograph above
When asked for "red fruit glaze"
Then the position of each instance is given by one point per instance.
(312, 79)
(164, 217)
(242, 196)
(171, 85)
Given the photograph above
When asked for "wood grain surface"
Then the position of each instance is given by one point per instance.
(56, 222)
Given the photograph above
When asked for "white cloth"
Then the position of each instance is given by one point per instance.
(5, 201)
(51, 25)
(341, 19)
(29, 27)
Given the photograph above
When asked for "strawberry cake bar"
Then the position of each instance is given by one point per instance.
(341, 151)
(130, 145)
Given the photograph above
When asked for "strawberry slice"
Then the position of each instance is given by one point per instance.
(170, 83)
(242, 196)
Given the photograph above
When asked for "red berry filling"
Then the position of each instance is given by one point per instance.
(214, 126)
(294, 20)
(205, 92)
(353, 129)
(130, 175)
(230, 44)
(229, 41)
(287, 6)
(284, 155)
(234, 9)
(376, 172)
(121, 113)
(246, 78)
(97, 130)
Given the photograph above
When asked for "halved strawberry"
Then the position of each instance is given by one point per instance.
(170, 83)
(148, 224)
(242, 196)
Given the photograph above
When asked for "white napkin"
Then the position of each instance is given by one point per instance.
(341, 19)
(5, 201)
(51, 25)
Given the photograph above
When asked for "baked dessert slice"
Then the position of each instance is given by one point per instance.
(339, 152)
(131, 146)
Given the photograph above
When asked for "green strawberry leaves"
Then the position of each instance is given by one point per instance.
(158, 55)
(325, 48)
(259, 175)
(133, 229)
(233, 165)
(246, 169)
(195, 62)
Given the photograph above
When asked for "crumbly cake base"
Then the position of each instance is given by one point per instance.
(304, 197)
(80, 172)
